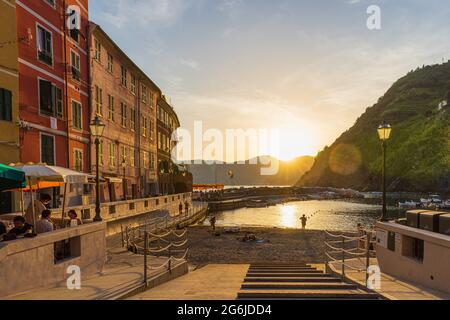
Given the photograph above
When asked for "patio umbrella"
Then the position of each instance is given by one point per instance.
(37, 174)
(11, 178)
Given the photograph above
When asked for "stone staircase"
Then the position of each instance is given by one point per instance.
(297, 281)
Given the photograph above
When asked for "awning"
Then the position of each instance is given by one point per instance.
(11, 178)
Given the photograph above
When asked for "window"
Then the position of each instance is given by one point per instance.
(110, 63)
(123, 78)
(76, 115)
(123, 114)
(99, 100)
(144, 94)
(159, 140)
(44, 46)
(51, 2)
(145, 159)
(112, 154)
(144, 127)
(75, 62)
(152, 128)
(97, 50)
(132, 119)
(110, 107)
(123, 154)
(50, 99)
(152, 161)
(48, 149)
(152, 100)
(413, 248)
(133, 85)
(75, 34)
(5, 105)
(132, 158)
(78, 160)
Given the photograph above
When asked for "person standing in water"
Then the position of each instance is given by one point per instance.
(304, 220)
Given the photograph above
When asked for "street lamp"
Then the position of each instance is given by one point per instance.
(384, 132)
(97, 127)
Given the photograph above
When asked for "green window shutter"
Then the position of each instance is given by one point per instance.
(8, 105)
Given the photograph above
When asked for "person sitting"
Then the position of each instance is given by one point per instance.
(45, 224)
(21, 227)
(2, 229)
(74, 221)
(39, 206)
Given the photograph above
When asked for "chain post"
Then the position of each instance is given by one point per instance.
(145, 257)
(343, 258)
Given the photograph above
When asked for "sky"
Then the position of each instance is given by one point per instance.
(307, 68)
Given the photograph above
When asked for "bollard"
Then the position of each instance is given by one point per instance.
(343, 258)
(368, 235)
(145, 256)
(121, 233)
(326, 257)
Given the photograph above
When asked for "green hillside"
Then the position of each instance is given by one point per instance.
(418, 152)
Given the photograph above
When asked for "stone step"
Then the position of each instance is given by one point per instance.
(294, 280)
(298, 286)
(281, 265)
(307, 294)
(282, 268)
(285, 271)
(287, 275)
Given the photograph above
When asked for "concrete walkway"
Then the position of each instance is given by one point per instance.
(213, 282)
(122, 274)
(391, 288)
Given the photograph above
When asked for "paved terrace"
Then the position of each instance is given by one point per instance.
(391, 288)
(122, 274)
(212, 282)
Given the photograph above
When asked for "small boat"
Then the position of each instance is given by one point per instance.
(444, 205)
(410, 205)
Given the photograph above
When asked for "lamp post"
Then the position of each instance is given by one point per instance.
(384, 132)
(97, 127)
(124, 183)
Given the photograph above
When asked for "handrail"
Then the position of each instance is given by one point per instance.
(341, 247)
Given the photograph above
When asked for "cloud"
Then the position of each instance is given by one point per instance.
(190, 63)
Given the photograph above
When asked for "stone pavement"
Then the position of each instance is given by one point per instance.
(391, 288)
(122, 273)
(212, 282)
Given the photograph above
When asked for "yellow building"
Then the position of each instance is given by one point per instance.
(9, 83)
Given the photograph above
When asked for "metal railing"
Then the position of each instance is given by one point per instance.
(161, 224)
(171, 244)
(340, 248)
(161, 237)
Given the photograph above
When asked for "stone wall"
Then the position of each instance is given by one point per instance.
(27, 264)
(396, 259)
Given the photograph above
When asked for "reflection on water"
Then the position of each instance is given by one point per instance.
(322, 215)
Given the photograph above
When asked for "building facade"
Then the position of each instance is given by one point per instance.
(9, 83)
(9, 92)
(125, 100)
(54, 83)
(172, 178)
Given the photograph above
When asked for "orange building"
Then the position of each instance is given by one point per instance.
(53, 82)
(125, 100)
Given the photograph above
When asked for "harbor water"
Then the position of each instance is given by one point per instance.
(322, 215)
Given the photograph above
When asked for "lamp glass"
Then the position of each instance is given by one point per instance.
(384, 132)
(97, 127)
